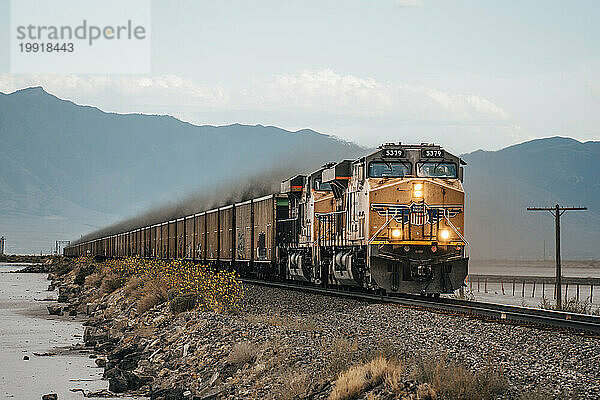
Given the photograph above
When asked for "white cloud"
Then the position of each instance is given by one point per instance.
(321, 91)
(104, 90)
(330, 92)
(361, 109)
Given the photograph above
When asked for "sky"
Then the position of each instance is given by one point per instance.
(465, 74)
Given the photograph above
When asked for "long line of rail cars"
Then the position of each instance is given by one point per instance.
(392, 220)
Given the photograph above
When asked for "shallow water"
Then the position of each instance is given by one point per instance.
(26, 328)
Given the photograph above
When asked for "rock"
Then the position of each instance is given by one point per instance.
(110, 364)
(130, 361)
(90, 308)
(73, 313)
(120, 381)
(211, 394)
(121, 351)
(55, 310)
(117, 383)
(93, 336)
(105, 347)
(25, 358)
(101, 362)
(50, 396)
(213, 378)
(34, 269)
(167, 394)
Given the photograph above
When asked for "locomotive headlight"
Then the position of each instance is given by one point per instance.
(396, 233)
(444, 234)
(418, 190)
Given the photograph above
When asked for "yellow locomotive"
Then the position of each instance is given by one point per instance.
(391, 220)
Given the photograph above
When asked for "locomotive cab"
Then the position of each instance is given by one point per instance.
(415, 219)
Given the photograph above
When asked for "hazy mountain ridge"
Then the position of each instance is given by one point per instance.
(57, 156)
(542, 172)
(69, 169)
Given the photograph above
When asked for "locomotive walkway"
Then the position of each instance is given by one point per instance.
(498, 312)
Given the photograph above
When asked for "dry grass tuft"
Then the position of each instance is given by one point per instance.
(362, 377)
(110, 283)
(296, 385)
(456, 382)
(95, 279)
(242, 353)
(431, 379)
(134, 287)
(341, 357)
(183, 303)
(571, 305)
(154, 292)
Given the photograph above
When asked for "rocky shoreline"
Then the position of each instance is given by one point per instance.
(286, 344)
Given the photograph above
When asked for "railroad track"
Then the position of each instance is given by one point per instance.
(500, 312)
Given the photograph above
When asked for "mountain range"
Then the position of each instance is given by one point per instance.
(67, 170)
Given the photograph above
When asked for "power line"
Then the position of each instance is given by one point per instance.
(557, 211)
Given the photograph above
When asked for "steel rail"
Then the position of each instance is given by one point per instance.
(500, 312)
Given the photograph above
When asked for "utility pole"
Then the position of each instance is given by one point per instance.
(557, 211)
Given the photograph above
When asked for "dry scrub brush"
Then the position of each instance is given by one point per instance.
(571, 305)
(434, 376)
(242, 353)
(379, 371)
(454, 381)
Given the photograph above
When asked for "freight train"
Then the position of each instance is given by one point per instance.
(391, 221)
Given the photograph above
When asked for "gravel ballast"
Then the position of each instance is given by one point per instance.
(532, 358)
(291, 344)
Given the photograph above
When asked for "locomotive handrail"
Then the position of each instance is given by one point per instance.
(326, 231)
(459, 234)
(329, 213)
(387, 222)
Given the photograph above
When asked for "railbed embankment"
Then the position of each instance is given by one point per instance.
(191, 338)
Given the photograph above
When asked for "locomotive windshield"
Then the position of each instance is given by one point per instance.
(384, 169)
(319, 185)
(436, 170)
